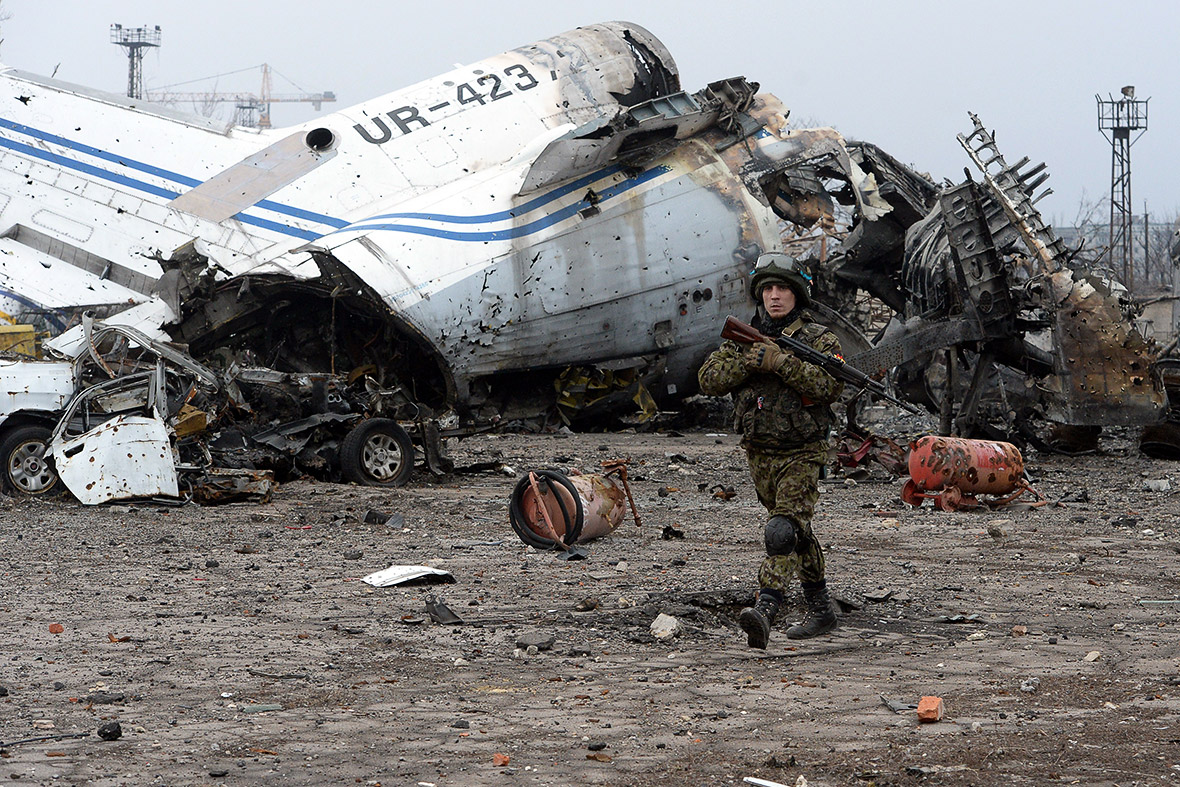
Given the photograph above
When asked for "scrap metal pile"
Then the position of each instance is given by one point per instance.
(995, 326)
(119, 415)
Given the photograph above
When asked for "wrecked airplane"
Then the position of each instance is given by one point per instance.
(532, 236)
(467, 239)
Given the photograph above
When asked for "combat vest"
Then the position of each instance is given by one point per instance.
(769, 414)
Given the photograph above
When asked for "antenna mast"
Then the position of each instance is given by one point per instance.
(1117, 118)
(134, 40)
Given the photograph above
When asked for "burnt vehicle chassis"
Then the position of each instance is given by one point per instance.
(243, 419)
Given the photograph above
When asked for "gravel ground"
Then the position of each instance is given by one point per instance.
(237, 645)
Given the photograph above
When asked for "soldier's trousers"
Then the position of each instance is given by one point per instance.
(787, 483)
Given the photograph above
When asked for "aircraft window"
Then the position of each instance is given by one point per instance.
(320, 139)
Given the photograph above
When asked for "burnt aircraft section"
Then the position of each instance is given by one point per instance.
(995, 328)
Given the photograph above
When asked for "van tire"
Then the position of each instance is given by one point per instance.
(378, 452)
(27, 463)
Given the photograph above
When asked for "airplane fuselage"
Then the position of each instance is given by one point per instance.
(421, 195)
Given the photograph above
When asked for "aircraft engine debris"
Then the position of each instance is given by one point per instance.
(952, 471)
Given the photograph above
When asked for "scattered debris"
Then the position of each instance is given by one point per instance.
(897, 706)
(722, 492)
(574, 553)
(996, 530)
(277, 675)
(855, 449)
(43, 738)
(533, 639)
(664, 627)
(1030, 686)
(930, 709)
(441, 613)
(404, 575)
(933, 770)
(799, 782)
(671, 532)
(549, 509)
(104, 698)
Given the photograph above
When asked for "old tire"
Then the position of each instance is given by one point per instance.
(27, 465)
(377, 452)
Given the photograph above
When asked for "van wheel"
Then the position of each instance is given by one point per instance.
(378, 452)
(28, 466)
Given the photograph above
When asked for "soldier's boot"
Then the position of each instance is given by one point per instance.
(820, 619)
(757, 620)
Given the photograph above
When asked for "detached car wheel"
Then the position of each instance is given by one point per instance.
(377, 452)
(28, 469)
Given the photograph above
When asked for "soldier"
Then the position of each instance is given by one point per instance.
(782, 409)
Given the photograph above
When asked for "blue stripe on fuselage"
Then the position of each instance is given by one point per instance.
(44, 311)
(513, 232)
(364, 224)
(175, 177)
(519, 210)
(123, 180)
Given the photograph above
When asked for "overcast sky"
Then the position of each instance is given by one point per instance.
(902, 74)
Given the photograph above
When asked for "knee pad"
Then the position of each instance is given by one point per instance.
(780, 535)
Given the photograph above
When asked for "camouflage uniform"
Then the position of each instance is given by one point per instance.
(784, 418)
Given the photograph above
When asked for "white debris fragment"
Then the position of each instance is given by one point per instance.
(396, 575)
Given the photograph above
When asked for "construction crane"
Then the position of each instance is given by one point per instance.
(250, 109)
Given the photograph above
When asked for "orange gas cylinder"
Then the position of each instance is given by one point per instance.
(549, 508)
(969, 467)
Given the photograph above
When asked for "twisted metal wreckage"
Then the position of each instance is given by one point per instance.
(556, 229)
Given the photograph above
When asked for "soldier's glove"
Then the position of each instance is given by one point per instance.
(765, 357)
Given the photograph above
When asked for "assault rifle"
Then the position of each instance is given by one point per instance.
(742, 333)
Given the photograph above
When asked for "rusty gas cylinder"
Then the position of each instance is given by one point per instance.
(574, 508)
(974, 467)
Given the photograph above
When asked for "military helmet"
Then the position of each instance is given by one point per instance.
(776, 267)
